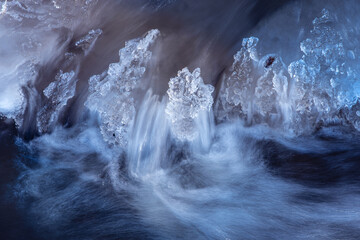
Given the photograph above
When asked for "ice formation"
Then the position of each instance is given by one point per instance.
(326, 78)
(87, 42)
(44, 34)
(321, 87)
(235, 87)
(188, 97)
(58, 94)
(111, 92)
(253, 88)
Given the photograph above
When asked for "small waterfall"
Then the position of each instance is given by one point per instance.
(151, 136)
(149, 140)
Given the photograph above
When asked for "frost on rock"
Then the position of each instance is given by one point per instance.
(57, 93)
(326, 76)
(188, 96)
(255, 90)
(111, 92)
(87, 42)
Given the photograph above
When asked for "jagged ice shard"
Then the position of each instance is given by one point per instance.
(58, 93)
(111, 92)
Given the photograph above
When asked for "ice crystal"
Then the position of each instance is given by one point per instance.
(111, 92)
(325, 78)
(188, 96)
(253, 88)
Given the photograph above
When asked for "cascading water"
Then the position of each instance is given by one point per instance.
(168, 120)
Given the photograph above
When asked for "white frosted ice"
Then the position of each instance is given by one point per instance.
(188, 97)
(111, 93)
(12, 101)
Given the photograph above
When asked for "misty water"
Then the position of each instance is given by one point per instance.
(179, 119)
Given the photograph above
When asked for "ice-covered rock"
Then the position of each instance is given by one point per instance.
(188, 96)
(111, 92)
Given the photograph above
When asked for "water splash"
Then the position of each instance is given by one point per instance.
(149, 141)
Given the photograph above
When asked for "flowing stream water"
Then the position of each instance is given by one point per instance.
(179, 119)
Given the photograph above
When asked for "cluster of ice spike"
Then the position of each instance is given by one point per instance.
(326, 78)
(321, 87)
(111, 93)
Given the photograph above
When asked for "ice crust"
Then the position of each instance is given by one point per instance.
(188, 96)
(58, 93)
(111, 93)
